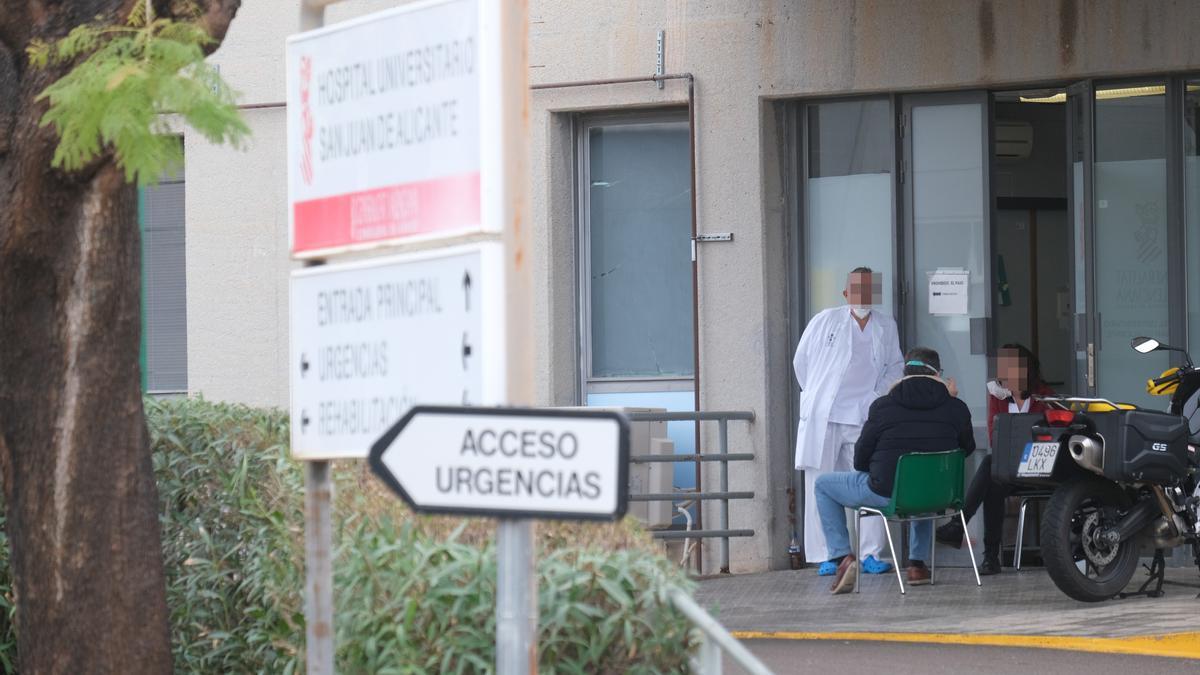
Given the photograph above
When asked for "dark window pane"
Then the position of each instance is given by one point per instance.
(849, 137)
(164, 250)
(639, 180)
(848, 208)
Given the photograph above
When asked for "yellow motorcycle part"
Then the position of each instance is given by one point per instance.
(1101, 407)
(1166, 388)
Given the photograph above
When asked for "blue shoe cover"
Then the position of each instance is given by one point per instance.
(871, 565)
(827, 569)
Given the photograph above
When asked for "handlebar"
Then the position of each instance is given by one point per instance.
(1159, 381)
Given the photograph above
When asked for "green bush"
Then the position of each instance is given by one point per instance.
(232, 518)
(413, 594)
(409, 604)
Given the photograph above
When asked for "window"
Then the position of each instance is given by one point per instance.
(847, 199)
(636, 269)
(165, 286)
(1131, 221)
(636, 252)
(1191, 196)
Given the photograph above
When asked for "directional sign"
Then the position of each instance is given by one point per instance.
(509, 462)
(385, 136)
(371, 339)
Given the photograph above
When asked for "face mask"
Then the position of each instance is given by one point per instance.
(995, 389)
(860, 311)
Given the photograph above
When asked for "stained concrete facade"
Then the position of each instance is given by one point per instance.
(748, 58)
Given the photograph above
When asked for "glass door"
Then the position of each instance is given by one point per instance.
(947, 224)
(1120, 209)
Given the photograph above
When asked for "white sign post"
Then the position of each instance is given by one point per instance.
(508, 462)
(371, 339)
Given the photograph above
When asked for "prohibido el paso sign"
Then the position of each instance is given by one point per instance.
(542, 463)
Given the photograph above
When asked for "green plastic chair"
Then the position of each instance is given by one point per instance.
(929, 486)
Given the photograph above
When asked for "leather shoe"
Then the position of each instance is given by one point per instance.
(843, 582)
(918, 576)
(950, 534)
(989, 566)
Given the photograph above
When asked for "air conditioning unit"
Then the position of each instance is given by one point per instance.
(1014, 139)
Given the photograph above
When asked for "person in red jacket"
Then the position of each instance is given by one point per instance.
(1018, 381)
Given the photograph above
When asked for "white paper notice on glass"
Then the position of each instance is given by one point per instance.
(948, 292)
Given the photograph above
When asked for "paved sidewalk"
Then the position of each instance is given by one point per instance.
(785, 657)
(1012, 603)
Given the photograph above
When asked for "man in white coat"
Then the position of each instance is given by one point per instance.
(848, 356)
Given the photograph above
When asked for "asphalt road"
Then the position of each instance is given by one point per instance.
(891, 658)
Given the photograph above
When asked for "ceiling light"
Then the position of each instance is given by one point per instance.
(1107, 94)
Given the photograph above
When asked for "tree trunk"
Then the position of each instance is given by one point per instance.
(79, 490)
(79, 486)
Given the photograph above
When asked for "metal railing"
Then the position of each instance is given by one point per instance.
(722, 418)
(714, 639)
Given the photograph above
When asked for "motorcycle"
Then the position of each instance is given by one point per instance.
(1123, 480)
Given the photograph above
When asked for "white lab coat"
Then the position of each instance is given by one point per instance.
(820, 364)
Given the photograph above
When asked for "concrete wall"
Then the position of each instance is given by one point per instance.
(743, 54)
(237, 257)
(237, 239)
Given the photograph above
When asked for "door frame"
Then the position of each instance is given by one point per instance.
(589, 384)
(1084, 324)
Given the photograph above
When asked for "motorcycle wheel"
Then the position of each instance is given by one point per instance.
(1075, 513)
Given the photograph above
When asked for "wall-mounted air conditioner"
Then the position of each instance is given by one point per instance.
(1014, 139)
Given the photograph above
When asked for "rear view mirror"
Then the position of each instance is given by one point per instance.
(1144, 345)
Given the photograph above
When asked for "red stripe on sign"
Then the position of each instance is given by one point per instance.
(393, 212)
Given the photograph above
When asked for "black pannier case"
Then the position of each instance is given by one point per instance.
(1139, 446)
(1143, 446)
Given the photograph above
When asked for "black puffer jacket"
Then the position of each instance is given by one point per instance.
(917, 415)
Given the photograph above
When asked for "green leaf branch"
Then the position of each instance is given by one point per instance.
(129, 77)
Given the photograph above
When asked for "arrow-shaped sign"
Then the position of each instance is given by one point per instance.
(467, 289)
(511, 462)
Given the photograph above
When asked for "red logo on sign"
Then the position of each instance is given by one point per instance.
(306, 164)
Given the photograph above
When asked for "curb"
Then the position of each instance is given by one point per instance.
(1175, 645)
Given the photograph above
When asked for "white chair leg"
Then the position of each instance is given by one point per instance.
(932, 559)
(892, 552)
(857, 549)
(970, 549)
(1020, 533)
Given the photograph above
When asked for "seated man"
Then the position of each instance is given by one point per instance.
(919, 414)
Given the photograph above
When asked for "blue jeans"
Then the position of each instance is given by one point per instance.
(837, 492)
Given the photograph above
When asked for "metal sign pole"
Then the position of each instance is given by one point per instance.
(318, 500)
(318, 567)
(516, 584)
(516, 598)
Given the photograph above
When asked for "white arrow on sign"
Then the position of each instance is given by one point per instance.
(511, 462)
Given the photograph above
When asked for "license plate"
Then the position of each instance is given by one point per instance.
(1038, 460)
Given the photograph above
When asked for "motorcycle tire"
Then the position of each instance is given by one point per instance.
(1064, 528)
